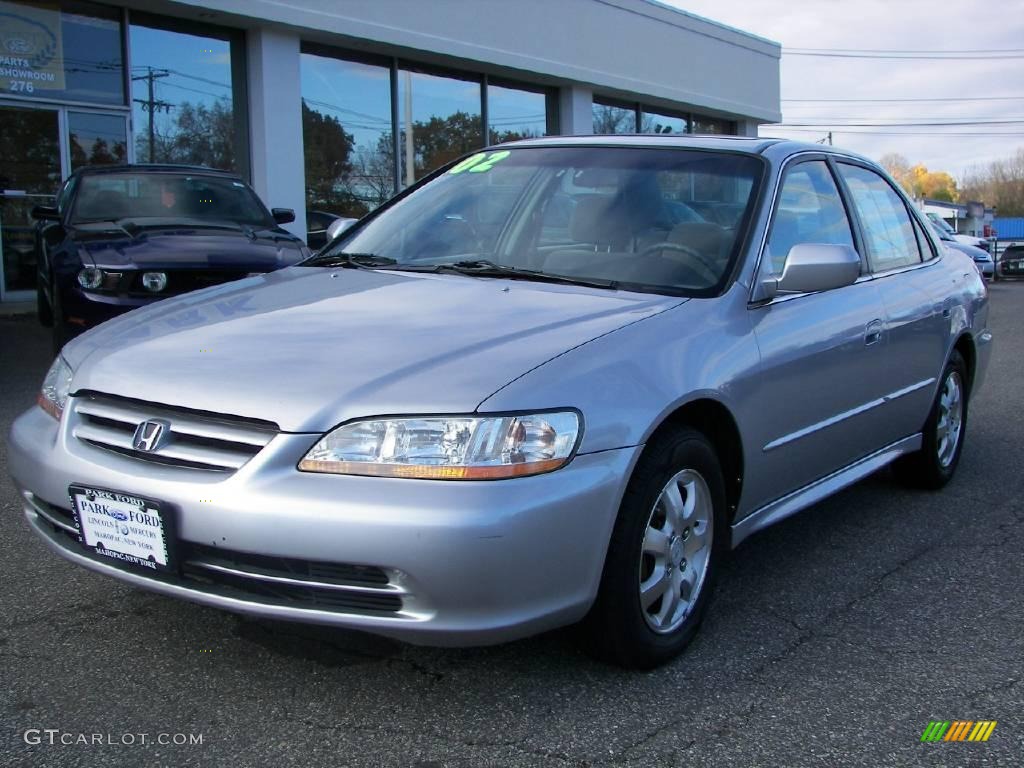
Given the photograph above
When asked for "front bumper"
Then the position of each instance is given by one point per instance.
(472, 562)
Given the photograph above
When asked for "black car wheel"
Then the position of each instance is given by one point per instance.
(669, 538)
(43, 309)
(60, 332)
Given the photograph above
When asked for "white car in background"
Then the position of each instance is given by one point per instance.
(982, 258)
(943, 226)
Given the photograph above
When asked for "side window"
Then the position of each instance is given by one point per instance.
(810, 210)
(888, 229)
(925, 243)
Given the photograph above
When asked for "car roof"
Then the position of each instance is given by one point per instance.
(156, 168)
(754, 145)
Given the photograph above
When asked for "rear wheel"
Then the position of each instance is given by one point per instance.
(43, 309)
(943, 435)
(60, 332)
(664, 552)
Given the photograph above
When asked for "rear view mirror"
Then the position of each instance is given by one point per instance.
(812, 267)
(283, 215)
(338, 226)
(45, 213)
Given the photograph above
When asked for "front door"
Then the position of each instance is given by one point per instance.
(30, 172)
(822, 354)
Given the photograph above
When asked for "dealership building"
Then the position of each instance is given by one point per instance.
(330, 106)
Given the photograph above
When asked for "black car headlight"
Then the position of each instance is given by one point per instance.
(91, 278)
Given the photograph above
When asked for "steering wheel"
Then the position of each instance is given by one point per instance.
(702, 264)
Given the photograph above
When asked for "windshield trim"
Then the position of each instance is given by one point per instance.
(741, 243)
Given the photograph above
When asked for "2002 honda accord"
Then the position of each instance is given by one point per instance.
(555, 381)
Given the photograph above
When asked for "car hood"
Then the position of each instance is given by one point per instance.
(975, 253)
(309, 348)
(166, 244)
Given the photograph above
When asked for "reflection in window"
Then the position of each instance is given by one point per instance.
(513, 114)
(439, 119)
(703, 124)
(346, 135)
(610, 118)
(97, 139)
(72, 51)
(655, 122)
(182, 105)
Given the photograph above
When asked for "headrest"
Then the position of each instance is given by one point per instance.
(595, 220)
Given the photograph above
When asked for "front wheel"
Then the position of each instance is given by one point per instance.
(664, 552)
(943, 435)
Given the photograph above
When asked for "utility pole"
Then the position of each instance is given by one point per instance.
(152, 104)
(410, 149)
(830, 138)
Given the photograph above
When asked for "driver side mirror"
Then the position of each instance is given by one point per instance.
(45, 213)
(813, 267)
(283, 215)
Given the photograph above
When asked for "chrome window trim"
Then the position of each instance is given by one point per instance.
(809, 154)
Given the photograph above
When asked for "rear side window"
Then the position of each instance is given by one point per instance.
(927, 249)
(810, 211)
(888, 229)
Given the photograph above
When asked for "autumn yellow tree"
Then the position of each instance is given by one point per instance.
(918, 181)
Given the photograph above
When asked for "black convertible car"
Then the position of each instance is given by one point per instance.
(124, 236)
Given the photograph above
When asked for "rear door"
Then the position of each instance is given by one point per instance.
(915, 291)
(823, 368)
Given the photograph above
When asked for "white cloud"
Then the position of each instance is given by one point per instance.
(902, 25)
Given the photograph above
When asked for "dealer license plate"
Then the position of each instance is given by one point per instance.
(123, 527)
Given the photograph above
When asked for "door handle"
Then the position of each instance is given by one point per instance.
(873, 332)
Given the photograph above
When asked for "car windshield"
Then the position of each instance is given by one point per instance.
(661, 220)
(139, 195)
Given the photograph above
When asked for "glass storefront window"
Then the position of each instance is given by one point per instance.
(439, 120)
(183, 108)
(346, 135)
(514, 113)
(612, 118)
(656, 122)
(97, 139)
(702, 124)
(68, 52)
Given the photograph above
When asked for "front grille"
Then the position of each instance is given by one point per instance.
(264, 579)
(197, 440)
(180, 281)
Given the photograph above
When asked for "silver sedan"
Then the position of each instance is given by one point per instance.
(557, 381)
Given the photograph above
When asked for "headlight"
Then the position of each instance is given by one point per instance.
(56, 387)
(90, 278)
(154, 281)
(448, 447)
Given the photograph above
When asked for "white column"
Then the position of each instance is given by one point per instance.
(275, 123)
(575, 110)
(746, 128)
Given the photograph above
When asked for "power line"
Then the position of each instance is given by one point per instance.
(872, 132)
(866, 53)
(914, 124)
(905, 99)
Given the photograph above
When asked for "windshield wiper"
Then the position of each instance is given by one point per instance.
(486, 268)
(350, 260)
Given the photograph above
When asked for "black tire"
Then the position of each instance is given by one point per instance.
(931, 467)
(619, 628)
(60, 332)
(43, 309)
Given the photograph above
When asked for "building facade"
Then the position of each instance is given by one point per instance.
(331, 106)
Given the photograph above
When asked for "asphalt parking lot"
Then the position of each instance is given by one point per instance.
(834, 639)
